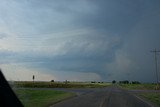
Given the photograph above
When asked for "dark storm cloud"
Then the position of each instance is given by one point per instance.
(110, 38)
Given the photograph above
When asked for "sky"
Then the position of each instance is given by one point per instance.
(79, 40)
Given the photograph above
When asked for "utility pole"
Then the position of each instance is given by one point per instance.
(156, 64)
(33, 78)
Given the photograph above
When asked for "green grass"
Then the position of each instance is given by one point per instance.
(152, 97)
(43, 98)
(40, 98)
(138, 86)
(58, 84)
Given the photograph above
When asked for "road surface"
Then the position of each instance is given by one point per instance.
(105, 97)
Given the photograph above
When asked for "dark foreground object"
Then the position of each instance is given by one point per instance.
(7, 96)
(106, 97)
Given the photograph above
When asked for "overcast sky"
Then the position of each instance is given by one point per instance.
(79, 40)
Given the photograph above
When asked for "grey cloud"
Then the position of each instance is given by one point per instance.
(3, 35)
(142, 38)
(108, 38)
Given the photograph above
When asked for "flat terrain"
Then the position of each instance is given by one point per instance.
(139, 86)
(37, 84)
(42, 94)
(88, 95)
(104, 97)
(148, 92)
(152, 97)
(41, 97)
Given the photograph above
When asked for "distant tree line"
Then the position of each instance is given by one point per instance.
(52, 80)
(96, 82)
(126, 82)
(136, 82)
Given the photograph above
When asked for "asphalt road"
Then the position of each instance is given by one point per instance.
(105, 97)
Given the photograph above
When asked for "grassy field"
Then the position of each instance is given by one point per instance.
(40, 98)
(43, 98)
(31, 84)
(152, 97)
(138, 86)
